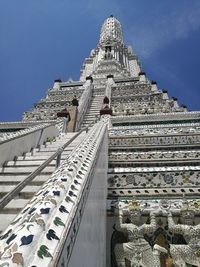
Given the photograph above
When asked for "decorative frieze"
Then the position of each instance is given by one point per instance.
(155, 179)
(132, 89)
(154, 155)
(160, 205)
(192, 116)
(155, 130)
(155, 141)
(153, 98)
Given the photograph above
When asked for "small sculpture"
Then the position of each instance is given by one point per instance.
(75, 101)
(137, 249)
(190, 253)
(106, 100)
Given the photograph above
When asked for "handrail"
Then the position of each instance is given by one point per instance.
(84, 104)
(30, 131)
(91, 171)
(9, 196)
(56, 203)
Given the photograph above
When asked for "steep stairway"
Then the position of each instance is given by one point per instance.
(14, 172)
(93, 111)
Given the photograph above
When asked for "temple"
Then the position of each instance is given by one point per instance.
(103, 171)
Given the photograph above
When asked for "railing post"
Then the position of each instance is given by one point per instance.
(110, 83)
(106, 105)
(58, 159)
(65, 123)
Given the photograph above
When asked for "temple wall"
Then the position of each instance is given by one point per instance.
(134, 68)
(90, 244)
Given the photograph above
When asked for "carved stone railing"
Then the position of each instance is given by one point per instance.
(17, 143)
(51, 221)
(84, 102)
(5, 137)
(56, 155)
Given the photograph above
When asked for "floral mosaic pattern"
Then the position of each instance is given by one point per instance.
(128, 131)
(154, 155)
(154, 179)
(162, 140)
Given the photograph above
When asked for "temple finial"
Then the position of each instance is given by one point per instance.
(111, 30)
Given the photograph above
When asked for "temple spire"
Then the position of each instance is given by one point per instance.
(111, 54)
(111, 30)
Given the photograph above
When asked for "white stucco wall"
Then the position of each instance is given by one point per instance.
(90, 246)
(89, 249)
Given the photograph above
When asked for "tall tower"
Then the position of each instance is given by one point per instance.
(111, 54)
(119, 188)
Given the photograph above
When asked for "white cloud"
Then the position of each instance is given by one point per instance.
(163, 29)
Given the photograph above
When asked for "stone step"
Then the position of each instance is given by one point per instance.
(46, 152)
(92, 115)
(14, 172)
(97, 102)
(94, 109)
(6, 220)
(89, 120)
(28, 189)
(33, 162)
(15, 205)
(42, 156)
(25, 169)
(15, 179)
(87, 125)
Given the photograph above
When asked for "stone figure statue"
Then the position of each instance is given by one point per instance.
(137, 249)
(190, 253)
(108, 55)
(74, 101)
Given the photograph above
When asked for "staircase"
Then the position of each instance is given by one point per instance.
(93, 111)
(14, 172)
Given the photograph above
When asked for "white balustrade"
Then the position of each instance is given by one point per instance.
(40, 230)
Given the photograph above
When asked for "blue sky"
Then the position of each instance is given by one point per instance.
(42, 40)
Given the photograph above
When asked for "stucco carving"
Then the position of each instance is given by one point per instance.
(189, 253)
(137, 250)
